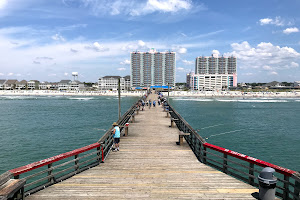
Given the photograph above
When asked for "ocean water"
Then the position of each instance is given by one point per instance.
(264, 128)
(35, 128)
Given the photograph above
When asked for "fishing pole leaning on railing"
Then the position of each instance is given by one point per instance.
(23, 181)
(238, 165)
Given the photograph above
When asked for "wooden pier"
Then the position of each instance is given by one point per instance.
(150, 165)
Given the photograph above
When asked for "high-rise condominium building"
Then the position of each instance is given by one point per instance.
(215, 65)
(152, 68)
(213, 73)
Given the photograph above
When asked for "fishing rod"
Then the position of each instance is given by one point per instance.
(224, 133)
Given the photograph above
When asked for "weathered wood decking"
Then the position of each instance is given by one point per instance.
(150, 165)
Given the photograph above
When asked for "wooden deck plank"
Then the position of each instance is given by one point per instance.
(150, 165)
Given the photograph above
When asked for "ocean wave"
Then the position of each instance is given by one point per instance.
(254, 100)
(82, 98)
(227, 100)
(17, 98)
(262, 101)
(193, 99)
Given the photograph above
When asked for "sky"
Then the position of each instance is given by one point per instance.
(47, 40)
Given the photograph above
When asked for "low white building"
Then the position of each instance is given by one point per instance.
(54, 86)
(127, 82)
(44, 85)
(33, 85)
(297, 84)
(111, 83)
(21, 85)
(9, 84)
(63, 84)
(211, 82)
(76, 85)
(2, 84)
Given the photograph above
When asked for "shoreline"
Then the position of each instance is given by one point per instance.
(200, 94)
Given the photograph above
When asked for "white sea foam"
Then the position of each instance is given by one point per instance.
(253, 100)
(17, 97)
(227, 100)
(193, 99)
(262, 101)
(82, 98)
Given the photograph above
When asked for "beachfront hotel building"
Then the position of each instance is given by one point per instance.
(213, 73)
(112, 82)
(152, 68)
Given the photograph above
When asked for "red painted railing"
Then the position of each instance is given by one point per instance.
(41, 163)
(249, 159)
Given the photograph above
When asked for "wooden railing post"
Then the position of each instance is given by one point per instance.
(225, 169)
(50, 180)
(76, 163)
(251, 172)
(286, 187)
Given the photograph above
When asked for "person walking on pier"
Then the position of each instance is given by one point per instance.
(116, 135)
(149, 103)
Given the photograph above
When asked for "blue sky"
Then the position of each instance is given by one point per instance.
(47, 40)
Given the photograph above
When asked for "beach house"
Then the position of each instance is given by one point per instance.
(21, 85)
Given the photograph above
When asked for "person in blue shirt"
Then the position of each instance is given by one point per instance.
(116, 135)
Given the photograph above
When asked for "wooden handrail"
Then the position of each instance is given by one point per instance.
(250, 159)
(41, 163)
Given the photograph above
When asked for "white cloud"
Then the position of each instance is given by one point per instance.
(187, 62)
(10, 74)
(52, 75)
(1, 74)
(136, 45)
(125, 62)
(132, 7)
(167, 5)
(278, 21)
(266, 67)
(215, 53)
(121, 69)
(264, 56)
(3, 3)
(66, 74)
(97, 47)
(180, 50)
(58, 37)
(273, 73)
(294, 65)
(291, 65)
(73, 50)
(141, 43)
(265, 21)
(18, 75)
(181, 69)
(248, 74)
(291, 30)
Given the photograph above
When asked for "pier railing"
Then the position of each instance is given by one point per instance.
(41, 174)
(238, 165)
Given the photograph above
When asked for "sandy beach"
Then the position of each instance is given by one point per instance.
(211, 94)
